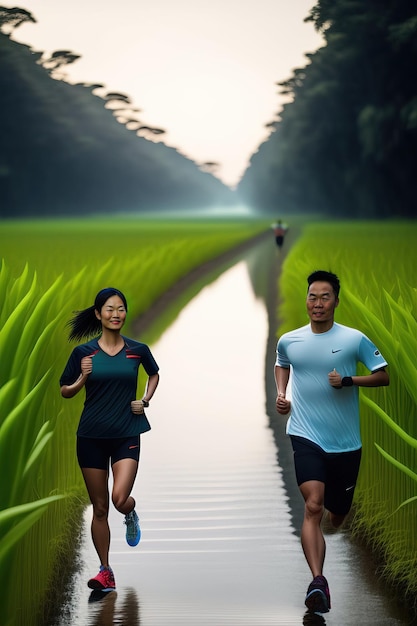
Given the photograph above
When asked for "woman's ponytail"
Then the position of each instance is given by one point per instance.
(84, 324)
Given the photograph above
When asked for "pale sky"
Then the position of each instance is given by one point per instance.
(203, 70)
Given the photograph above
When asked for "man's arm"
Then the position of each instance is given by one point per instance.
(282, 376)
(379, 378)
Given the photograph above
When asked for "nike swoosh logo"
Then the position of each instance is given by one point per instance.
(133, 447)
(350, 488)
(334, 351)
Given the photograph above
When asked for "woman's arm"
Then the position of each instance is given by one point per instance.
(138, 406)
(151, 387)
(69, 391)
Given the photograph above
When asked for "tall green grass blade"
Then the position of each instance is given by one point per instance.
(388, 420)
(405, 503)
(7, 398)
(17, 412)
(400, 466)
(31, 511)
(42, 432)
(11, 330)
(34, 326)
(36, 452)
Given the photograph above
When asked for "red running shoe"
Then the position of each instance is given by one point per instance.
(318, 596)
(104, 581)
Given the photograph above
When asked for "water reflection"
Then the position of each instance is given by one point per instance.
(313, 619)
(113, 608)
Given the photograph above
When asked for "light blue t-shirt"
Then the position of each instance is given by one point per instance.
(327, 416)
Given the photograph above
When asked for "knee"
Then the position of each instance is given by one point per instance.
(119, 500)
(100, 510)
(314, 509)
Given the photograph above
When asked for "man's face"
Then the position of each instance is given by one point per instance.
(321, 302)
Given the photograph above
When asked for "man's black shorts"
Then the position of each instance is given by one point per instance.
(96, 453)
(338, 471)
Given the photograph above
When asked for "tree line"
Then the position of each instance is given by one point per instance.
(65, 150)
(346, 142)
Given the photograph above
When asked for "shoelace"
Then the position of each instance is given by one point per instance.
(131, 524)
(107, 577)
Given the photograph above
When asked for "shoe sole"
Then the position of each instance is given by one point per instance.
(316, 601)
(133, 543)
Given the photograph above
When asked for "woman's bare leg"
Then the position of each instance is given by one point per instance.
(124, 475)
(96, 481)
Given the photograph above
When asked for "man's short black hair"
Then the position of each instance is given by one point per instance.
(327, 277)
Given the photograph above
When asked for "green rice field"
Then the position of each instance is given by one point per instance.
(51, 268)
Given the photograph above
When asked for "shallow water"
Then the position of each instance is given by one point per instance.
(218, 544)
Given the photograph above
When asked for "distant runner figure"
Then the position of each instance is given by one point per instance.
(280, 230)
(112, 419)
(324, 421)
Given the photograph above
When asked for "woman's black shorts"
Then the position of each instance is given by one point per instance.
(338, 471)
(96, 453)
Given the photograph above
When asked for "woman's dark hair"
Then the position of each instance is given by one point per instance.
(84, 324)
(327, 277)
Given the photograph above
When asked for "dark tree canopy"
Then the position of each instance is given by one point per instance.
(11, 18)
(62, 152)
(345, 143)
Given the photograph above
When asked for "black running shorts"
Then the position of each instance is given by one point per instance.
(338, 471)
(96, 453)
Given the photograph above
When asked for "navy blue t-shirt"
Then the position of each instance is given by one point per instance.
(110, 388)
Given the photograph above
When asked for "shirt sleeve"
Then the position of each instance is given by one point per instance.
(282, 358)
(370, 356)
(72, 369)
(149, 364)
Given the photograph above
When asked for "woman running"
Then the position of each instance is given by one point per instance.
(112, 419)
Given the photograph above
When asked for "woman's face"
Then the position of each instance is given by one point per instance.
(113, 313)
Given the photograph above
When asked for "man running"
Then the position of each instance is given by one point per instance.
(324, 421)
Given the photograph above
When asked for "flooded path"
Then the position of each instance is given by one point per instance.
(218, 543)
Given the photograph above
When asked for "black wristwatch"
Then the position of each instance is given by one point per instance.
(145, 403)
(347, 381)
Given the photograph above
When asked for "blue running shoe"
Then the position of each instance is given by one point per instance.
(318, 596)
(132, 528)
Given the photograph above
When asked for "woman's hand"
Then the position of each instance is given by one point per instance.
(137, 407)
(283, 405)
(86, 365)
(69, 391)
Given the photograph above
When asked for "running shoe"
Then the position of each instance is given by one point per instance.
(318, 596)
(132, 528)
(104, 581)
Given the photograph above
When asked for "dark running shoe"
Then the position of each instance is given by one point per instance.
(318, 596)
